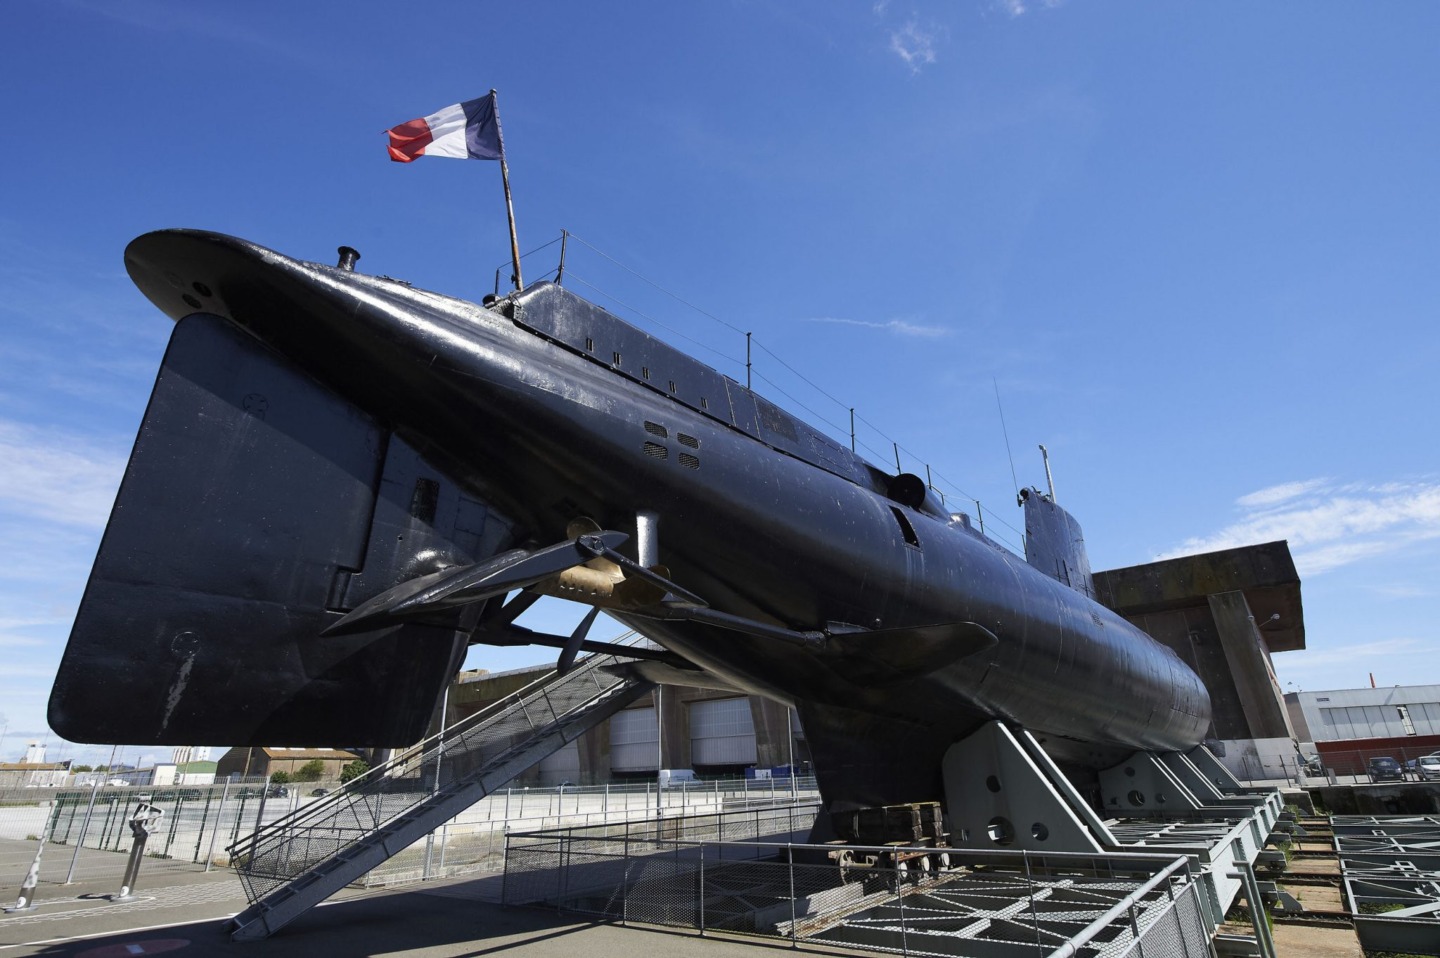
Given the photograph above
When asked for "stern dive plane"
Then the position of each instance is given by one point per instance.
(342, 481)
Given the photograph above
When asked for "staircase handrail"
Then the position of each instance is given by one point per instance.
(358, 785)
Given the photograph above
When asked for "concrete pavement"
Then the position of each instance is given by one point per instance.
(184, 914)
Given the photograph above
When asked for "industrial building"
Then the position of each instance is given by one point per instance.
(712, 733)
(1347, 727)
(33, 771)
(1225, 613)
(264, 762)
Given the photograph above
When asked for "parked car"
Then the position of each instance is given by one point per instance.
(277, 791)
(1428, 767)
(1386, 769)
(320, 791)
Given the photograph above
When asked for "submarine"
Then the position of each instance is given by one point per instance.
(342, 481)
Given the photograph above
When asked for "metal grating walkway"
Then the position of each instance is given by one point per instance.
(295, 863)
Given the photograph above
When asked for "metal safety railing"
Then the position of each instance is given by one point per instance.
(707, 873)
(489, 741)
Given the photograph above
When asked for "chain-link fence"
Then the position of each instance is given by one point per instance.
(201, 822)
(196, 825)
(474, 841)
(1360, 766)
(456, 767)
(1328, 765)
(708, 874)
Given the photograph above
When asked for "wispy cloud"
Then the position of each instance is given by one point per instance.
(9, 671)
(1018, 8)
(16, 641)
(65, 479)
(1273, 495)
(18, 632)
(914, 43)
(1329, 524)
(898, 326)
(1401, 590)
(1360, 653)
(197, 21)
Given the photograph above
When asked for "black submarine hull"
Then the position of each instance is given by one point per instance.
(536, 412)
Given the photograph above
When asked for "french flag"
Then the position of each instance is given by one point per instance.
(467, 131)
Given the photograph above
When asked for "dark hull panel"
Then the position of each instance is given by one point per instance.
(254, 503)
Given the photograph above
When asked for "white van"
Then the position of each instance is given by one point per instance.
(676, 777)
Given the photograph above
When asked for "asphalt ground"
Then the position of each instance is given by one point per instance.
(184, 914)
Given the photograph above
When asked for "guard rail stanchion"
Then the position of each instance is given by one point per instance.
(142, 823)
(26, 899)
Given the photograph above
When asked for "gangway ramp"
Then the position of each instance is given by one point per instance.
(293, 864)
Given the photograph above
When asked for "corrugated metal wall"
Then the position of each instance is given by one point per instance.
(722, 732)
(1380, 721)
(561, 766)
(633, 741)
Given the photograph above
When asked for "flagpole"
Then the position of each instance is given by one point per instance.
(509, 205)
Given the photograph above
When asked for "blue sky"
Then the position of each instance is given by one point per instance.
(1193, 248)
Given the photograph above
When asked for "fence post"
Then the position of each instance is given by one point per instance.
(625, 879)
(504, 868)
(105, 829)
(25, 901)
(790, 862)
(204, 822)
(84, 827)
(174, 824)
(1033, 890)
(260, 811)
(1256, 902)
(239, 814)
(215, 829)
(900, 904)
(702, 889)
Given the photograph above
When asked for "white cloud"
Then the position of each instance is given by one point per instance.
(1018, 8)
(1329, 525)
(47, 475)
(894, 325)
(915, 44)
(1400, 590)
(1359, 654)
(1273, 495)
(9, 671)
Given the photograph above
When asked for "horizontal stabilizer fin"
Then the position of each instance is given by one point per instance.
(448, 588)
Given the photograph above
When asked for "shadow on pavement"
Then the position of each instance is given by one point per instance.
(408, 923)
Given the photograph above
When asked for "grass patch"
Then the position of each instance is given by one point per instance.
(1379, 907)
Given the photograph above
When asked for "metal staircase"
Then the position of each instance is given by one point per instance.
(295, 863)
